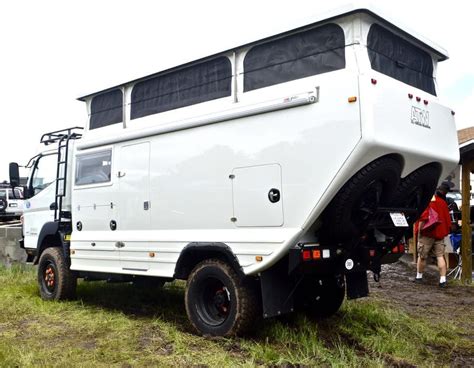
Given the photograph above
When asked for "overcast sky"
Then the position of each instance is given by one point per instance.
(54, 51)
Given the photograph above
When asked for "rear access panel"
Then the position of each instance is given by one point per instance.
(257, 196)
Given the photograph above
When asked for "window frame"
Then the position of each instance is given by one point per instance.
(94, 183)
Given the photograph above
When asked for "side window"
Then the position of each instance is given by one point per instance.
(93, 168)
(18, 194)
(106, 109)
(44, 174)
(192, 85)
(393, 56)
(315, 51)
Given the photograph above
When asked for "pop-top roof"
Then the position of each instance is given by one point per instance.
(360, 7)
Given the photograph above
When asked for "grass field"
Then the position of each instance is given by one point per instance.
(114, 325)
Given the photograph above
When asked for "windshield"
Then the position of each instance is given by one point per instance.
(44, 172)
(454, 195)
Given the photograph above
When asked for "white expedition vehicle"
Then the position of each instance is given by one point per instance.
(271, 176)
(11, 204)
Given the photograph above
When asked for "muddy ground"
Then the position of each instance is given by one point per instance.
(454, 303)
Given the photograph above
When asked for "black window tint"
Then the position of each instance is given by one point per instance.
(106, 109)
(392, 55)
(316, 51)
(93, 168)
(198, 83)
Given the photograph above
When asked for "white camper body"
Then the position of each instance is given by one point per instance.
(255, 163)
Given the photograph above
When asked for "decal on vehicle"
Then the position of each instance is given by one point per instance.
(420, 117)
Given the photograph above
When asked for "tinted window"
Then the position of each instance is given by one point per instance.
(106, 109)
(198, 83)
(392, 55)
(18, 194)
(316, 51)
(93, 168)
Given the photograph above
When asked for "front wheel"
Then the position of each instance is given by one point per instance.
(217, 302)
(56, 281)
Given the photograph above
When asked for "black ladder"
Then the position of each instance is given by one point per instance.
(62, 137)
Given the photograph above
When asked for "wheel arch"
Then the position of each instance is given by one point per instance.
(49, 236)
(196, 252)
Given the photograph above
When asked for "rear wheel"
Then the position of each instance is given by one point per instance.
(320, 298)
(217, 302)
(56, 281)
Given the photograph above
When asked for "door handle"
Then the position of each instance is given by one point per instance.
(120, 174)
(119, 244)
(52, 206)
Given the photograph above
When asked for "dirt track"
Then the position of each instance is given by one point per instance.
(455, 303)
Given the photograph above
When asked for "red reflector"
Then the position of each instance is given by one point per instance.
(372, 252)
(374, 81)
(395, 249)
(401, 248)
(306, 255)
(316, 254)
(418, 99)
(425, 102)
(410, 96)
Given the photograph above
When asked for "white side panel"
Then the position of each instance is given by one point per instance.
(250, 189)
(37, 212)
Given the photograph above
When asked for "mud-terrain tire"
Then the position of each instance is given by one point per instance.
(351, 210)
(218, 302)
(320, 298)
(56, 281)
(416, 190)
(3, 204)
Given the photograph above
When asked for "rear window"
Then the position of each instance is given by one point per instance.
(393, 56)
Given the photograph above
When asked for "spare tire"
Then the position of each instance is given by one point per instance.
(351, 210)
(416, 190)
(3, 204)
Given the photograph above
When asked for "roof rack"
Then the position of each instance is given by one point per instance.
(58, 135)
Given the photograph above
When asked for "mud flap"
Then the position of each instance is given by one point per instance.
(277, 291)
(357, 285)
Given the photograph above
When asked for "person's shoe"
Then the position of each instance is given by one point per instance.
(418, 280)
(443, 285)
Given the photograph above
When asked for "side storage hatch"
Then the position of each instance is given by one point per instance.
(257, 196)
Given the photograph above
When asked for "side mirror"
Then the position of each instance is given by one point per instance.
(14, 175)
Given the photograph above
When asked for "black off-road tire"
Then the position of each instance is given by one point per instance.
(320, 298)
(218, 302)
(416, 190)
(351, 210)
(56, 281)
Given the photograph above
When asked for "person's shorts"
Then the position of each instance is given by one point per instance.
(427, 245)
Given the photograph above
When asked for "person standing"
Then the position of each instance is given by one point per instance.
(431, 238)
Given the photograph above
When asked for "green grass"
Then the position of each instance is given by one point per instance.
(114, 325)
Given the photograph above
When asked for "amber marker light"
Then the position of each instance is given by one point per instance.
(316, 254)
(151, 254)
(352, 99)
(259, 258)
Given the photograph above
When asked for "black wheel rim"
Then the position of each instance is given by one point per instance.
(49, 277)
(214, 303)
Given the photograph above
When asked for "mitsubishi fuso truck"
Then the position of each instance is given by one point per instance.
(271, 176)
